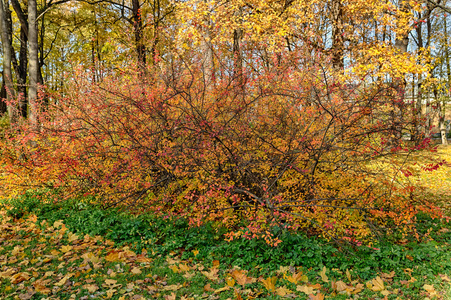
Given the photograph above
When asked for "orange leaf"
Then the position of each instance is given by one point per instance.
(270, 283)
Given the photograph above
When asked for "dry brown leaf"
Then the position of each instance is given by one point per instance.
(241, 277)
(388, 275)
(318, 296)
(212, 275)
(189, 275)
(91, 287)
(172, 287)
(208, 288)
(172, 296)
(184, 267)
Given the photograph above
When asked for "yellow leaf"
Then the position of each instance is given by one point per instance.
(283, 270)
(305, 289)
(114, 257)
(58, 223)
(72, 237)
(136, 271)
(241, 277)
(283, 291)
(184, 267)
(174, 269)
(348, 275)
(212, 275)
(220, 290)
(89, 256)
(172, 287)
(189, 275)
(270, 283)
(195, 252)
(66, 249)
(64, 280)
(19, 277)
(230, 281)
(296, 277)
(323, 274)
(378, 284)
(429, 288)
(340, 286)
(91, 287)
(444, 277)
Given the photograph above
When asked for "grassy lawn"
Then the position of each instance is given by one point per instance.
(75, 250)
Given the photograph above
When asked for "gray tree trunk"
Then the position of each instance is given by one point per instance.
(7, 53)
(33, 64)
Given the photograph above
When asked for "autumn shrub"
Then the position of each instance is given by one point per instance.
(289, 148)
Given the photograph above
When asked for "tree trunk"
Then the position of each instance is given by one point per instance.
(138, 32)
(337, 36)
(7, 57)
(33, 61)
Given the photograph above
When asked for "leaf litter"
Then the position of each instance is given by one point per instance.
(49, 261)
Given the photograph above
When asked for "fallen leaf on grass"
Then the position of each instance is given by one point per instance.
(388, 275)
(172, 287)
(66, 249)
(189, 275)
(241, 277)
(305, 289)
(318, 296)
(377, 284)
(64, 279)
(114, 256)
(19, 277)
(91, 287)
(296, 277)
(283, 291)
(212, 275)
(208, 288)
(111, 283)
(184, 267)
(136, 271)
(323, 274)
(230, 281)
(172, 296)
(444, 277)
(348, 275)
(430, 289)
(270, 283)
(220, 290)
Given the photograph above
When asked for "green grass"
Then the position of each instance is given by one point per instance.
(196, 262)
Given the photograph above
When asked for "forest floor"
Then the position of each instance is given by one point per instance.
(73, 251)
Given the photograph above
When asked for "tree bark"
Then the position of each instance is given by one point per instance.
(138, 32)
(33, 65)
(7, 58)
